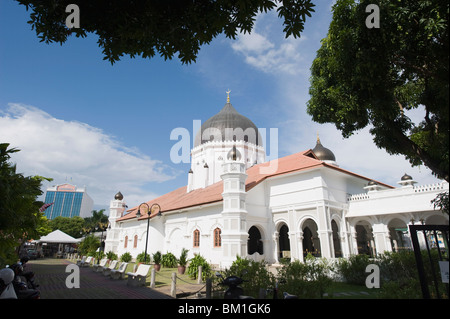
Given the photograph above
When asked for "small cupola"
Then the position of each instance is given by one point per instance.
(234, 154)
(406, 180)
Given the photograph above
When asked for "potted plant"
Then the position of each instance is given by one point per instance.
(157, 260)
(182, 261)
(143, 258)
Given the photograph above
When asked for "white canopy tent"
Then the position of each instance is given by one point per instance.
(60, 242)
(58, 237)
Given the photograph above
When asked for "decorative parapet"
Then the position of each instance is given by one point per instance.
(430, 188)
(406, 190)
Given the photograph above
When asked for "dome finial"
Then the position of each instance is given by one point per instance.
(318, 139)
(228, 95)
(234, 154)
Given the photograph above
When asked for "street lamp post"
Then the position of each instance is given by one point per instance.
(154, 210)
(101, 248)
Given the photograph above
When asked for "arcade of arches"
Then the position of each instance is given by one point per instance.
(396, 235)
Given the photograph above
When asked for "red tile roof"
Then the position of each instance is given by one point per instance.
(180, 199)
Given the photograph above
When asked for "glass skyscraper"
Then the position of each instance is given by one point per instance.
(68, 201)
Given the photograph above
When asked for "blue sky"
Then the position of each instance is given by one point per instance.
(79, 119)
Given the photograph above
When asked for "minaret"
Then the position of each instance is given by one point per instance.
(116, 209)
(190, 180)
(234, 234)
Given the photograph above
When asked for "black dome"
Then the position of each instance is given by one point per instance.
(226, 122)
(406, 177)
(323, 153)
(118, 196)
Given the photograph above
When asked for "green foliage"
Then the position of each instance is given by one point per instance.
(20, 218)
(72, 226)
(97, 254)
(182, 261)
(141, 258)
(353, 269)
(126, 257)
(197, 261)
(111, 256)
(254, 273)
(309, 280)
(89, 245)
(157, 257)
(167, 28)
(169, 260)
(400, 278)
(97, 222)
(373, 77)
(441, 202)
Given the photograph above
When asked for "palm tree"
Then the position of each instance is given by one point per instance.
(97, 221)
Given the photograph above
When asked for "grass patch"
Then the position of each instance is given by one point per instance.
(164, 276)
(342, 290)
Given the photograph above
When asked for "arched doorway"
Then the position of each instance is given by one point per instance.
(364, 239)
(336, 239)
(283, 242)
(311, 241)
(254, 242)
(399, 235)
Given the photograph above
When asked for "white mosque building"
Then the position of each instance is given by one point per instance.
(236, 203)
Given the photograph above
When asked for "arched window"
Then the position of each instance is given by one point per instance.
(125, 242)
(196, 238)
(217, 237)
(135, 241)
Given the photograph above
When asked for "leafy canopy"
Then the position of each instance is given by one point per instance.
(20, 218)
(147, 27)
(372, 76)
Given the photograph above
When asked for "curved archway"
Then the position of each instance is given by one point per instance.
(284, 246)
(364, 238)
(436, 220)
(254, 242)
(399, 235)
(311, 241)
(336, 239)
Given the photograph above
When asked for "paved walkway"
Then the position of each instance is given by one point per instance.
(51, 276)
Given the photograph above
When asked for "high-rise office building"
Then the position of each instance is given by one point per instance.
(68, 201)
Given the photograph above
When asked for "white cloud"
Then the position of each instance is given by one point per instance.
(280, 57)
(267, 49)
(252, 43)
(78, 153)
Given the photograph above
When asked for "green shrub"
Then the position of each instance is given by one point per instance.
(198, 260)
(157, 258)
(353, 269)
(111, 256)
(89, 245)
(97, 254)
(400, 278)
(126, 257)
(182, 261)
(169, 260)
(255, 275)
(141, 258)
(309, 279)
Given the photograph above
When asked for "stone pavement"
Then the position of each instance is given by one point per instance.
(51, 276)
